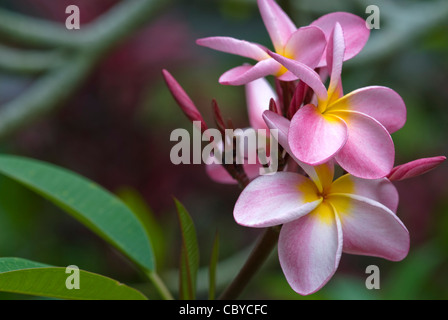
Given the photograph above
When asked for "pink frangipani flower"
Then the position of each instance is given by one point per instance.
(354, 128)
(305, 45)
(415, 168)
(322, 218)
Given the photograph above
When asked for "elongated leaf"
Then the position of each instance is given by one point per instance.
(212, 268)
(185, 287)
(92, 205)
(135, 201)
(37, 279)
(189, 254)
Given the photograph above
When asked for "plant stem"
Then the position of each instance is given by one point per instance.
(260, 253)
(86, 48)
(29, 62)
(160, 286)
(46, 94)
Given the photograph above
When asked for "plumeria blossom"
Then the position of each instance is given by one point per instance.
(305, 45)
(322, 218)
(353, 128)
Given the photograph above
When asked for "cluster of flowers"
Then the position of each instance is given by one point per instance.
(318, 127)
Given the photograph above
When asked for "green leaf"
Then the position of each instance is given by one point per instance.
(37, 279)
(96, 208)
(134, 200)
(212, 268)
(189, 254)
(186, 291)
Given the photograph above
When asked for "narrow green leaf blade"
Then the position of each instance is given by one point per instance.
(135, 201)
(212, 268)
(189, 254)
(185, 288)
(98, 209)
(37, 279)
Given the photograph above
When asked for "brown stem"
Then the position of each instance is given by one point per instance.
(259, 254)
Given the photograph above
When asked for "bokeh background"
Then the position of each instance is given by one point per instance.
(114, 128)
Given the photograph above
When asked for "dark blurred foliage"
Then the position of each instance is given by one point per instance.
(115, 130)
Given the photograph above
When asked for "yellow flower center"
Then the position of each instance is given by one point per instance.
(282, 69)
(331, 193)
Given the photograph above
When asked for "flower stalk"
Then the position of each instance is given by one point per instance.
(258, 256)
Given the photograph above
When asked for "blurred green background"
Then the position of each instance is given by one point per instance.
(115, 127)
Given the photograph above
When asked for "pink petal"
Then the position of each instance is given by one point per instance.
(234, 46)
(355, 31)
(335, 58)
(258, 96)
(310, 249)
(183, 100)
(244, 74)
(380, 103)
(287, 76)
(304, 73)
(275, 199)
(371, 229)
(379, 190)
(415, 168)
(321, 175)
(217, 173)
(275, 121)
(369, 152)
(315, 138)
(252, 170)
(306, 45)
(278, 24)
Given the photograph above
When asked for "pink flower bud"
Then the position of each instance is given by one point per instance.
(183, 100)
(415, 168)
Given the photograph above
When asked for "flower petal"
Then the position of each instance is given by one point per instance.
(306, 45)
(310, 249)
(355, 31)
(380, 190)
(304, 73)
(217, 173)
(287, 76)
(335, 58)
(278, 24)
(314, 138)
(415, 168)
(275, 121)
(244, 74)
(275, 199)
(380, 103)
(234, 46)
(258, 96)
(371, 229)
(369, 152)
(322, 175)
